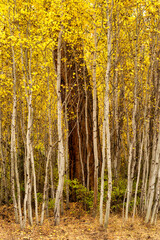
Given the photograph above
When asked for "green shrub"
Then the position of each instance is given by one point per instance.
(51, 203)
(118, 192)
(81, 193)
(39, 197)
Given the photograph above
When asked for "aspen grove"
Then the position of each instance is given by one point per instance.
(80, 108)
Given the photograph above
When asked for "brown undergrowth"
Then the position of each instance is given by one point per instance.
(77, 224)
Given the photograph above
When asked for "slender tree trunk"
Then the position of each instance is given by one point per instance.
(13, 125)
(102, 171)
(86, 126)
(95, 125)
(66, 141)
(49, 152)
(106, 104)
(51, 178)
(115, 91)
(78, 130)
(138, 176)
(30, 123)
(13, 137)
(154, 173)
(132, 150)
(146, 151)
(18, 189)
(155, 152)
(157, 198)
(3, 178)
(61, 167)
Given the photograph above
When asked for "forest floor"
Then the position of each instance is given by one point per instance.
(77, 224)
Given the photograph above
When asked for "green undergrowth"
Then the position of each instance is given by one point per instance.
(79, 193)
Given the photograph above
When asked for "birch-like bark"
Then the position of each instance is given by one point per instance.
(157, 198)
(102, 170)
(153, 177)
(132, 150)
(116, 154)
(145, 170)
(13, 137)
(61, 168)
(45, 183)
(155, 152)
(152, 183)
(49, 153)
(27, 199)
(106, 105)
(138, 176)
(30, 123)
(157, 185)
(18, 189)
(67, 129)
(146, 148)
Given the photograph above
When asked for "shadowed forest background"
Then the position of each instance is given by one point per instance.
(80, 108)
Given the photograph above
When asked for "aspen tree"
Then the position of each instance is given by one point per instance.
(143, 197)
(86, 124)
(3, 166)
(49, 150)
(66, 126)
(115, 96)
(13, 126)
(106, 104)
(103, 168)
(95, 130)
(132, 147)
(138, 176)
(78, 128)
(154, 173)
(61, 167)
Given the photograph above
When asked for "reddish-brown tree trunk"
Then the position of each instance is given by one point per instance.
(74, 59)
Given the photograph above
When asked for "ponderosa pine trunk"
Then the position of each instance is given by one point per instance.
(69, 74)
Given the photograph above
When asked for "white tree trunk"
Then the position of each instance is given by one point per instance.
(106, 105)
(13, 137)
(30, 123)
(138, 177)
(49, 152)
(61, 168)
(153, 177)
(66, 141)
(132, 149)
(102, 171)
